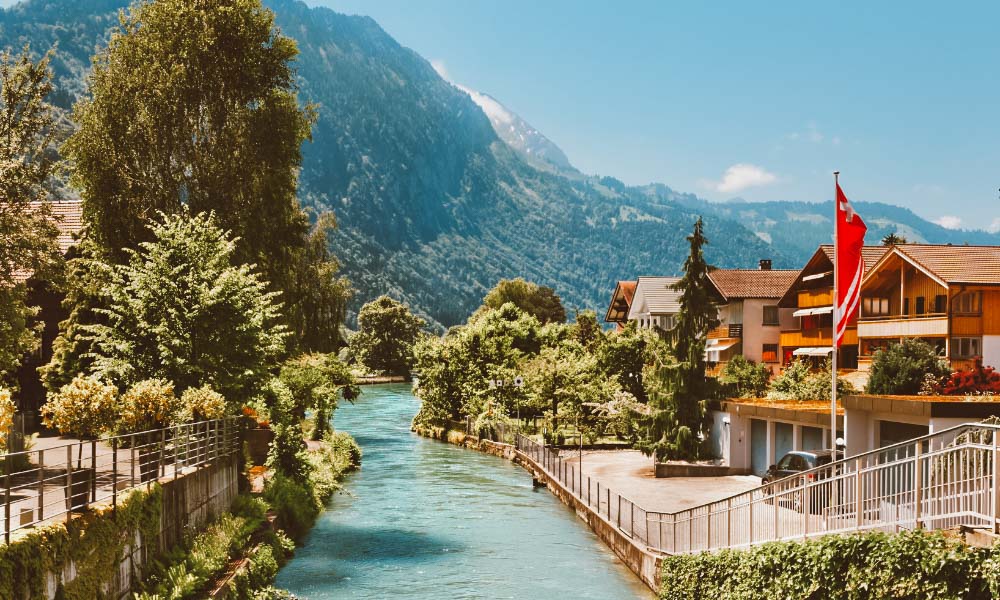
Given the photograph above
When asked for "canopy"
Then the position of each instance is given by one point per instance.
(822, 310)
(823, 351)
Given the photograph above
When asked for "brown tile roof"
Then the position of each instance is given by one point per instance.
(870, 254)
(68, 217)
(752, 283)
(956, 264)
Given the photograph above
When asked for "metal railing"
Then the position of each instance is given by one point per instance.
(47, 484)
(943, 480)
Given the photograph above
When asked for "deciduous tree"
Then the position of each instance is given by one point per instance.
(538, 301)
(387, 331)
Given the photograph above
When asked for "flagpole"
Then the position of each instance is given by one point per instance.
(833, 339)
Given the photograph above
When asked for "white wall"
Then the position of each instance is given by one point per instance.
(755, 334)
(991, 350)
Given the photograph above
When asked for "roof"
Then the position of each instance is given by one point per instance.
(870, 254)
(621, 302)
(954, 264)
(68, 218)
(655, 296)
(752, 283)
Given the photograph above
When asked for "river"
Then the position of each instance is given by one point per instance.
(425, 519)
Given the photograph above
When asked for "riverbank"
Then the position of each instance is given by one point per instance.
(643, 563)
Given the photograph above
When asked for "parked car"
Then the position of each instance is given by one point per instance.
(792, 464)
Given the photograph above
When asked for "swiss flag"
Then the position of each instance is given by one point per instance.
(850, 265)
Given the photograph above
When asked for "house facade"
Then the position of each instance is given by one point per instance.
(810, 297)
(946, 295)
(655, 304)
(750, 319)
(621, 303)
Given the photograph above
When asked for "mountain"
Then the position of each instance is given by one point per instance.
(439, 191)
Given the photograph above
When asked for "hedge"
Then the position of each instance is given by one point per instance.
(908, 565)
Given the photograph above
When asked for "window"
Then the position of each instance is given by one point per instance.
(906, 306)
(940, 304)
(968, 303)
(966, 347)
(921, 305)
(770, 315)
(875, 307)
(770, 353)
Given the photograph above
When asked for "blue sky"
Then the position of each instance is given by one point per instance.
(755, 100)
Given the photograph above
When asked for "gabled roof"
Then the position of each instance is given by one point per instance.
(655, 296)
(621, 302)
(822, 261)
(752, 283)
(68, 218)
(951, 264)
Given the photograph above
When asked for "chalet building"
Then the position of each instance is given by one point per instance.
(750, 319)
(811, 299)
(946, 295)
(68, 218)
(655, 304)
(621, 303)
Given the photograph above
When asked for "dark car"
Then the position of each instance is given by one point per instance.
(795, 462)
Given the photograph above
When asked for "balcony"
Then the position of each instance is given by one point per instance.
(815, 338)
(734, 331)
(902, 326)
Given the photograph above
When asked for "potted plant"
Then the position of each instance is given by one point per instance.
(83, 408)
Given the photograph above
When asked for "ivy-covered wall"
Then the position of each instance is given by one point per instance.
(908, 565)
(103, 552)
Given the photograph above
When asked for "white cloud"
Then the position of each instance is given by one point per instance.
(994, 226)
(441, 69)
(949, 221)
(742, 176)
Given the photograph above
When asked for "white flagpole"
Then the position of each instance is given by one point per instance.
(833, 340)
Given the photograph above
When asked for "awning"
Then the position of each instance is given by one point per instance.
(720, 347)
(822, 310)
(802, 351)
(823, 351)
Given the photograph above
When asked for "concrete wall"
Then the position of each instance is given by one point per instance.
(189, 502)
(756, 334)
(991, 350)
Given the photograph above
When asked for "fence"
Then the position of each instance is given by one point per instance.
(48, 484)
(946, 479)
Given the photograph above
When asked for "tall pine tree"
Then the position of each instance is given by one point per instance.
(679, 388)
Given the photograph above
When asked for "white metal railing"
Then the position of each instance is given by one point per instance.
(942, 480)
(43, 485)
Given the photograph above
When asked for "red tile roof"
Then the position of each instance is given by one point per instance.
(752, 283)
(956, 264)
(68, 218)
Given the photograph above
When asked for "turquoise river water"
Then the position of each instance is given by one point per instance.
(425, 519)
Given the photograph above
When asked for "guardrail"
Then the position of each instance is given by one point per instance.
(50, 483)
(943, 480)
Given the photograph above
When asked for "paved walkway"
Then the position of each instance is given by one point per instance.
(630, 473)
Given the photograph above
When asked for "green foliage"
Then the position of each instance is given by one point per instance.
(293, 502)
(746, 378)
(338, 454)
(287, 454)
(566, 382)
(7, 409)
(902, 368)
(149, 404)
(153, 136)
(799, 382)
(94, 542)
(911, 565)
(624, 354)
(386, 334)
(679, 391)
(27, 233)
(538, 301)
(180, 311)
(316, 381)
(202, 404)
(85, 407)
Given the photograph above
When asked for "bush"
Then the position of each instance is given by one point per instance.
(911, 565)
(293, 502)
(203, 404)
(747, 378)
(7, 410)
(799, 382)
(288, 454)
(979, 381)
(902, 368)
(85, 407)
(147, 405)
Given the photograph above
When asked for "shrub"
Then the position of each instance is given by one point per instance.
(288, 452)
(902, 368)
(7, 410)
(747, 378)
(978, 381)
(203, 404)
(149, 404)
(293, 502)
(911, 565)
(799, 382)
(85, 407)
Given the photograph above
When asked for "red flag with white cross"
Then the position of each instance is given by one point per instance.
(850, 266)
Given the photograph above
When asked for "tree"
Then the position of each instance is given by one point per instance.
(680, 389)
(893, 239)
(564, 381)
(193, 104)
(747, 378)
(624, 354)
(27, 232)
(387, 331)
(86, 407)
(316, 381)
(539, 301)
(902, 368)
(181, 312)
(800, 382)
